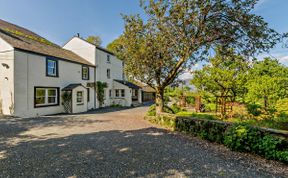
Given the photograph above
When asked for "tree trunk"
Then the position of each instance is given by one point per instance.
(159, 101)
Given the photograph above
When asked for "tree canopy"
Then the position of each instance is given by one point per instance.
(177, 34)
(225, 76)
(96, 40)
(268, 82)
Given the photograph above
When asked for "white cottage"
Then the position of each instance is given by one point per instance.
(109, 69)
(38, 77)
(35, 73)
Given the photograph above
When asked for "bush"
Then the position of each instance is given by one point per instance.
(242, 138)
(282, 106)
(254, 109)
(237, 137)
(152, 110)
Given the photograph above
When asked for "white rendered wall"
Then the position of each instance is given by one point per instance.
(30, 71)
(82, 48)
(6, 78)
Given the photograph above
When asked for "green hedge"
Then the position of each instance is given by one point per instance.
(237, 137)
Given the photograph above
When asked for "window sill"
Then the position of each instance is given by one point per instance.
(80, 104)
(43, 106)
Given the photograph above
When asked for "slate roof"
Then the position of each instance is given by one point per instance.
(128, 84)
(26, 40)
(72, 86)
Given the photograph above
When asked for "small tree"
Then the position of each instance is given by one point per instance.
(224, 77)
(268, 82)
(177, 34)
(96, 40)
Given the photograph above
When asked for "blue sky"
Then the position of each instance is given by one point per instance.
(59, 20)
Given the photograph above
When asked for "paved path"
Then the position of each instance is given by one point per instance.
(116, 144)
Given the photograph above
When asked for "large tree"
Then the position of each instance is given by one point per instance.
(176, 34)
(268, 82)
(224, 77)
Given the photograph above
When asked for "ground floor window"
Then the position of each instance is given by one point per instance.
(117, 93)
(122, 93)
(80, 97)
(110, 93)
(46, 96)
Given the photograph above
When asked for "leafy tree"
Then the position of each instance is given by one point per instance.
(268, 82)
(116, 47)
(225, 76)
(176, 34)
(96, 40)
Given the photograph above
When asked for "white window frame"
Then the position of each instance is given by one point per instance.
(52, 68)
(85, 76)
(46, 96)
(81, 101)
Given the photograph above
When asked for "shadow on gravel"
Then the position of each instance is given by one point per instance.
(149, 152)
(13, 127)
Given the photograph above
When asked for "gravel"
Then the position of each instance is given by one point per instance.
(117, 143)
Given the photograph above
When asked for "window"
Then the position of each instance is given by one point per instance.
(85, 73)
(122, 93)
(117, 93)
(108, 59)
(110, 93)
(51, 68)
(80, 97)
(46, 96)
(108, 73)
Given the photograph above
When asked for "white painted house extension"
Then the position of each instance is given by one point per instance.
(38, 77)
(109, 69)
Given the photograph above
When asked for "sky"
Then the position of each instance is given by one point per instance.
(59, 20)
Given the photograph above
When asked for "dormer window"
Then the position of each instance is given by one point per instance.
(85, 73)
(108, 59)
(51, 67)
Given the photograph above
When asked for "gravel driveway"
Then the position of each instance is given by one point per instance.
(117, 144)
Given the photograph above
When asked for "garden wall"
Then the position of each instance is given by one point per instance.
(269, 143)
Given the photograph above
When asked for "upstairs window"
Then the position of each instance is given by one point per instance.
(108, 59)
(85, 73)
(51, 67)
(108, 74)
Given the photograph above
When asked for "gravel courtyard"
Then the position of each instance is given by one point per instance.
(117, 144)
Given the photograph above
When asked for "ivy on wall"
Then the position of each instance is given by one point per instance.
(100, 92)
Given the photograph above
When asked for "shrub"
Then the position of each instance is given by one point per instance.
(237, 137)
(242, 138)
(254, 109)
(152, 110)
